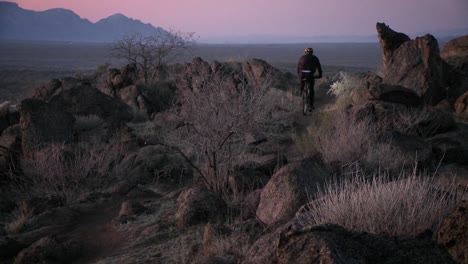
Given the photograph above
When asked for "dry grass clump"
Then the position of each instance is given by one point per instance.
(347, 140)
(408, 205)
(67, 172)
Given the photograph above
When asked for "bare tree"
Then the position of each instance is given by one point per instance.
(150, 53)
(215, 119)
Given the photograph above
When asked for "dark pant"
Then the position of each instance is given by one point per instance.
(311, 88)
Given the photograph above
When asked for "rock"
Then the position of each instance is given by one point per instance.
(9, 248)
(71, 82)
(461, 105)
(411, 147)
(445, 106)
(334, 244)
(46, 250)
(250, 204)
(414, 64)
(198, 205)
(451, 146)
(263, 250)
(157, 163)
(10, 152)
(390, 41)
(453, 233)
(211, 235)
(45, 92)
(288, 189)
(395, 94)
(129, 210)
(455, 52)
(43, 123)
(86, 100)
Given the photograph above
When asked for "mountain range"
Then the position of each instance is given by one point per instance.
(60, 24)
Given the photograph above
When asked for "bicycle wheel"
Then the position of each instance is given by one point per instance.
(305, 98)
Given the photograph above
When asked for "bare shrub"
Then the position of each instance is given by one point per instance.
(347, 140)
(150, 53)
(67, 172)
(342, 87)
(214, 121)
(21, 217)
(408, 205)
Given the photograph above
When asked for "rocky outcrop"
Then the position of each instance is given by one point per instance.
(395, 94)
(86, 100)
(390, 41)
(414, 64)
(288, 189)
(334, 244)
(156, 163)
(43, 123)
(198, 205)
(453, 233)
(46, 91)
(455, 52)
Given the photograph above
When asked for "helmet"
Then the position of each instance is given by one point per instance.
(309, 51)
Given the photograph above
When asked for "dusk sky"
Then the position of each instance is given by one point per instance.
(215, 19)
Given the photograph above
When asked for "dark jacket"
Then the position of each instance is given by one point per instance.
(311, 63)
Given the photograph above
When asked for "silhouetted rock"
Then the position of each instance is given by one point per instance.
(390, 41)
(453, 233)
(198, 205)
(288, 189)
(414, 64)
(334, 244)
(43, 123)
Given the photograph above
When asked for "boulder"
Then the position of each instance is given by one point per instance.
(412, 147)
(250, 204)
(156, 163)
(129, 210)
(390, 41)
(451, 146)
(395, 94)
(43, 123)
(461, 105)
(198, 205)
(10, 151)
(414, 64)
(46, 91)
(334, 244)
(86, 100)
(453, 233)
(288, 189)
(455, 52)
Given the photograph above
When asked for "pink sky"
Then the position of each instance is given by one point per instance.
(218, 18)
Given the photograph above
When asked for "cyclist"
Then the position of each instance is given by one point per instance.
(306, 68)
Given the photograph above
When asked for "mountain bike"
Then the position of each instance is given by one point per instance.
(306, 92)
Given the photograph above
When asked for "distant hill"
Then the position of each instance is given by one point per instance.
(60, 24)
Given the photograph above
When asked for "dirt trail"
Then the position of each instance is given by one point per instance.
(94, 231)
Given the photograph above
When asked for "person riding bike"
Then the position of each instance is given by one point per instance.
(306, 68)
